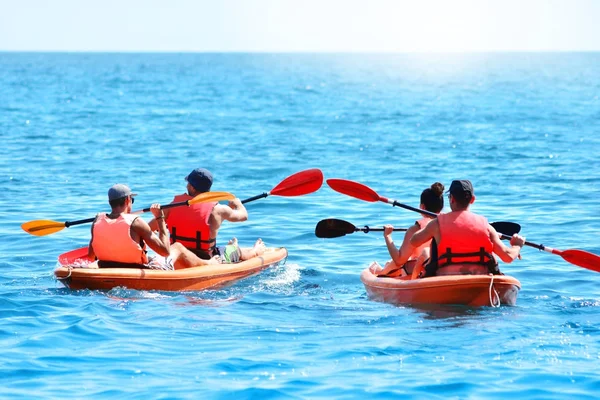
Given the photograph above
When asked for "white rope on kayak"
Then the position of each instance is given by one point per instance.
(492, 303)
(66, 277)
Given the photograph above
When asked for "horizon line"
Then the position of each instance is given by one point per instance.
(292, 51)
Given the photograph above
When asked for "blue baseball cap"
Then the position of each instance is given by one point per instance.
(201, 179)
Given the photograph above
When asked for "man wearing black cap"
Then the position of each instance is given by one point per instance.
(196, 227)
(120, 237)
(463, 242)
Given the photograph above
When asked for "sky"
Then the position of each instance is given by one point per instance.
(300, 25)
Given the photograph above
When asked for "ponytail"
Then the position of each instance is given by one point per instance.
(433, 198)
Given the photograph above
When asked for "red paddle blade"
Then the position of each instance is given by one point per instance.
(353, 189)
(582, 259)
(303, 182)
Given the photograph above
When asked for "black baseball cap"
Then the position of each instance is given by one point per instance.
(460, 188)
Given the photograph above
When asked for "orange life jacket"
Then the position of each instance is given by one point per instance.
(112, 240)
(465, 246)
(189, 225)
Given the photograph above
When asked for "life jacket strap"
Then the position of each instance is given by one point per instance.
(450, 258)
(116, 264)
(197, 240)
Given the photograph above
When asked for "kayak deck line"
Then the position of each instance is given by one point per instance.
(74, 276)
(470, 290)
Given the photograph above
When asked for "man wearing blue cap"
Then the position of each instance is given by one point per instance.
(196, 227)
(119, 238)
(463, 242)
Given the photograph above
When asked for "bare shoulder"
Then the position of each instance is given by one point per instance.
(221, 210)
(492, 231)
(414, 228)
(434, 224)
(140, 226)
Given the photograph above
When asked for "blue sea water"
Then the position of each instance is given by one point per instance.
(524, 128)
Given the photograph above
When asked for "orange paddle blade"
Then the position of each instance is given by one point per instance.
(212, 196)
(47, 227)
(42, 227)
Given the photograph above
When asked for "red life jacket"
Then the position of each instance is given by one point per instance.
(112, 241)
(465, 246)
(189, 225)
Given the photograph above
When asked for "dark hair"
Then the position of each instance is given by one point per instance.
(117, 202)
(433, 198)
(462, 199)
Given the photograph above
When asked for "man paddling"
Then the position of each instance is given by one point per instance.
(119, 238)
(196, 227)
(463, 242)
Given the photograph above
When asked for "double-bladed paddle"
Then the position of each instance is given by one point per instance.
(332, 228)
(357, 190)
(363, 192)
(45, 227)
(577, 257)
(298, 184)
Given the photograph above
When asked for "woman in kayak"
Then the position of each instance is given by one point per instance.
(407, 256)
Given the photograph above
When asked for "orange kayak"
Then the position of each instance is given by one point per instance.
(469, 290)
(77, 271)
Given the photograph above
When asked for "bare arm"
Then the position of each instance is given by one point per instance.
(389, 242)
(154, 223)
(506, 254)
(401, 255)
(422, 236)
(91, 254)
(234, 212)
(160, 243)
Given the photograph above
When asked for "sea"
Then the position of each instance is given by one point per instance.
(523, 127)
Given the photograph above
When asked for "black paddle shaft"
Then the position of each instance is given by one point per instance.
(79, 222)
(258, 196)
(510, 227)
(367, 229)
(88, 220)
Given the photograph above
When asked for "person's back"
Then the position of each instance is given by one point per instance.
(112, 241)
(190, 226)
(463, 242)
(464, 246)
(197, 226)
(119, 238)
